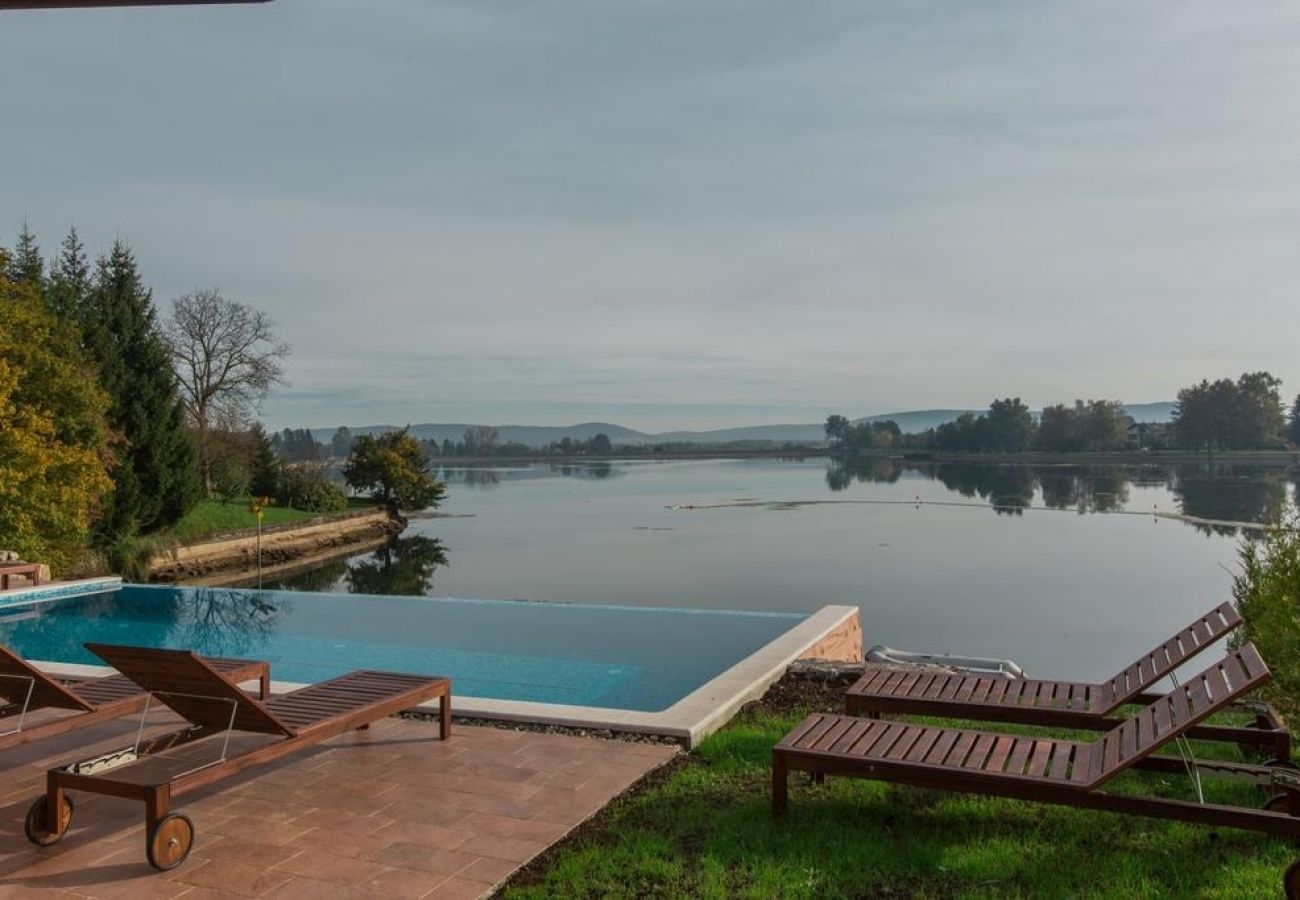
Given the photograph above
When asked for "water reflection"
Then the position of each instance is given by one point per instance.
(216, 620)
(1227, 494)
(225, 621)
(1220, 493)
(406, 565)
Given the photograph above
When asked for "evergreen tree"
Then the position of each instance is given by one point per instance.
(263, 467)
(68, 285)
(53, 453)
(25, 265)
(156, 481)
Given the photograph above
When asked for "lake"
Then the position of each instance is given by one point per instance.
(1066, 569)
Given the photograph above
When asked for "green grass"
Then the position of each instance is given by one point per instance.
(705, 830)
(214, 517)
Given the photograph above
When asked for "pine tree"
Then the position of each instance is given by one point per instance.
(68, 285)
(25, 265)
(263, 467)
(156, 481)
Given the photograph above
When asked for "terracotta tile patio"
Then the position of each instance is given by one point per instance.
(388, 812)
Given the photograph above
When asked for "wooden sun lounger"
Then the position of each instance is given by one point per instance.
(25, 689)
(1063, 704)
(30, 570)
(162, 768)
(1046, 770)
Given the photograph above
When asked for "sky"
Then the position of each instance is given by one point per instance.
(684, 213)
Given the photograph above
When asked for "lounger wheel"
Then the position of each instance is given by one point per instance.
(38, 831)
(170, 841)
(1291, 881)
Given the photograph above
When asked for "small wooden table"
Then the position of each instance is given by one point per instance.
(31, 570)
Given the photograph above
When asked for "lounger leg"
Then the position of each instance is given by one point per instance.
(54, 805)
(444, 717)
(157, 803)
(264, 686)
(780, 786)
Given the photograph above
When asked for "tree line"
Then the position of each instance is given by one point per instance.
(1245, 414)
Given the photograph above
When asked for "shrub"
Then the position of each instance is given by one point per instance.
(130, 555)
(309, 488)
(1267, 592)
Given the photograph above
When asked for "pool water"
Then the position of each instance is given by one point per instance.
(605, 656)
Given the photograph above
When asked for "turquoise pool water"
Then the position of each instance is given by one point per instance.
(611, 656)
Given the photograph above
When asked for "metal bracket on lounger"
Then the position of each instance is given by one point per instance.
(225, 743)
(27, 701)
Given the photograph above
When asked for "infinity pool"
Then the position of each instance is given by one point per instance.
(603, 656)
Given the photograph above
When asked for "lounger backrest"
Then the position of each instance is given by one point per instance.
(1168, 656)
(1190, 703)
(186, 683)
(46, 692)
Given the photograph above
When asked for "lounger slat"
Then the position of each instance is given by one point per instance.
(850, 737)
(980, 752)
(939, 752)
(1001, 750)
(1019, 753)
(1038, 759)
(905, 743)
(924, 745)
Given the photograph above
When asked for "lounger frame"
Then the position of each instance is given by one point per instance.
(884, 691)
(1043, 770)
(90, 701)
(373, 696)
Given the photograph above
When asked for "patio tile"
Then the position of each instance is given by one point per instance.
(391, 812)
(404, 883)
(458, 889)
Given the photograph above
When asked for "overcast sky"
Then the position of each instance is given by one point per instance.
(684, 213)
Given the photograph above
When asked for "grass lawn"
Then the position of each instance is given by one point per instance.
(214, 517)
(703, 828)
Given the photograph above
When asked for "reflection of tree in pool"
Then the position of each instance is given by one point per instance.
(1228, 493)
(60, 629)
(844, 470)
(405, 565)
(226, 621)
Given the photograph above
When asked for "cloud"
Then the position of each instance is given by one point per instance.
(480, 210)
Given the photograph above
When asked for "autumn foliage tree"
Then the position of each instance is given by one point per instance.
(394, 469)
(54, 459)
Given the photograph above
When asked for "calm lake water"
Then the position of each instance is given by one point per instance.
(1064, 568)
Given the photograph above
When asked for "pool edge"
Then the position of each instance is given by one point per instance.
(688, 721)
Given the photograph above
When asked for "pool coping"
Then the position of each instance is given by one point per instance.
(688, 721)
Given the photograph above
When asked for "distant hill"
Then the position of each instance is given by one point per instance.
(812, 433)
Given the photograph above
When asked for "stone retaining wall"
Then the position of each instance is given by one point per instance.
(284, 544)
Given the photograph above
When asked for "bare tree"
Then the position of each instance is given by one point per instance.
(227, 359)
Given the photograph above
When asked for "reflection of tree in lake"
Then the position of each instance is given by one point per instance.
(226, 621)
(596, 470)
(325, 577)
(479, 478)
(1010, 489)
(405, 565)
(844, 470)
(1087, 489)
(1228, 493)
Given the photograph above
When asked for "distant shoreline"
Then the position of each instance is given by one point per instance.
(1032, 457)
